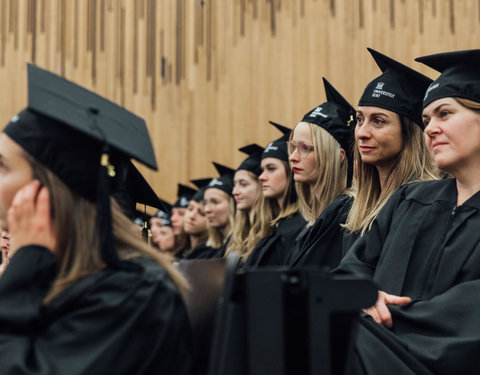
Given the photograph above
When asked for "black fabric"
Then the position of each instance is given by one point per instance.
(399, 88)
(460, 76)
(184, 194)
(201, 184)
(278, 148)
(422, 246)
(275, 249)
(225, 181)
(252, 162)
(112, 322)
(322, 245)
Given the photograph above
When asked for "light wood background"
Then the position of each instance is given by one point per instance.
(207, 75)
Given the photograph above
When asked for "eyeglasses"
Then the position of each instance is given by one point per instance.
(303, 148)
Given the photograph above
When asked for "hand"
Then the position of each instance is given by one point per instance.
(380, 312)
(29, 220)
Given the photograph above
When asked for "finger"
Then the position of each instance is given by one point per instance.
(396, 300)
(385, 316)
(372, 311)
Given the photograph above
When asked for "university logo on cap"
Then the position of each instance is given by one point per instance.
(318, 112)
(270, 147)
(215, 182)
(433, 86)
(380, 85)
(183, 201)
(378, 91)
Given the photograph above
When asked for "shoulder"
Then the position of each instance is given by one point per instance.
(427, 192)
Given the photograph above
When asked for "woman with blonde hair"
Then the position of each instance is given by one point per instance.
(390, 150)
(423, 248)
(322, 161)
(77, 292)
(219, 207)
(247, 193)
(279, 221)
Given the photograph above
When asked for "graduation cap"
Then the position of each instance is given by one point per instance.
(399, 88)
(225, 181)
(164, 213)
(337, 117)
(201, 184)
(278, 148)
(252, 162)
(460, 76)
(184, 194)
(84, 139)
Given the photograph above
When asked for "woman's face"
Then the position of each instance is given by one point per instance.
(217, 208)
(15, 172)
(178, 214)
(245, 190)
(273, 178)
(195, 221)
(378, 136)
(162, 235)
(452, 135)
(302, 156)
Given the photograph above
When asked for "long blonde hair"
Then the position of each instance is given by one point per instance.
(413, 163)
(331, 174)
(215, 237)
(269, 213)
(78, 244)
(243, 224)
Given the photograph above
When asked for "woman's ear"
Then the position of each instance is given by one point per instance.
(342, 155)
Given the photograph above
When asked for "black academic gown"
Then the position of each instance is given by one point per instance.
(322, 245)
(111, 322)
(422, 246)
(274, 250)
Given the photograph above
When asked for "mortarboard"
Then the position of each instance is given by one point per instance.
(399, 88)
(336, 116)
(278, 148)
(201, 184)
(184, 194)
(164, 213)
(460, 76)
(84, 139)
(252, 162)
(225, 181)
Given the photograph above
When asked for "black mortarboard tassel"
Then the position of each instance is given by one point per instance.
(84, 139)
(460, 76)
(201, 184)
(278, 148)
(184, 194)
(399, 88)
(337, 117)
(252, 162)
(225, 181)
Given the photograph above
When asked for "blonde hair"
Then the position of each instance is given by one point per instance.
(78, 251)
(331, 174)
(215, 237)
(243, 223)
(469, 104)
(413, 163)
(269, 213)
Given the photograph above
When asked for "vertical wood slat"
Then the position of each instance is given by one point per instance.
(208, 74)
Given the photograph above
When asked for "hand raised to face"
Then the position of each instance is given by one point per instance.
(29, 219)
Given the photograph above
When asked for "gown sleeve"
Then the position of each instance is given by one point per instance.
(113, 322)
(362, 257)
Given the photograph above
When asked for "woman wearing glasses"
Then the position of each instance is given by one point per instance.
(278, 222)
(390, 150)
(322, 163)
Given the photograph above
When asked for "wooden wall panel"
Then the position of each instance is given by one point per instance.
(207, 75)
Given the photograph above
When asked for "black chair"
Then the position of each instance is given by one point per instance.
(279, 321)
